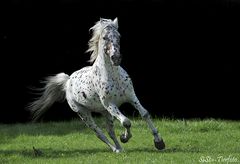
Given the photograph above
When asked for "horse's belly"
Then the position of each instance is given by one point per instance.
(118, 100)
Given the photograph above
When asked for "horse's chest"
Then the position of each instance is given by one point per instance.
(113, 91)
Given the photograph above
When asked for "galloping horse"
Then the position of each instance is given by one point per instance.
(102, 88)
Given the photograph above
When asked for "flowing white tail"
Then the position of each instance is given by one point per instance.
(53, 91)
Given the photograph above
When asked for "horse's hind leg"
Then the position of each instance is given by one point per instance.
(110, 129)
(86, 116)
(88, 120)
(158, 141)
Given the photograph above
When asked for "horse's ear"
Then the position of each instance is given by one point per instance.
(115, 22)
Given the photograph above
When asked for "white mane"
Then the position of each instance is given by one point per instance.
(97, 30)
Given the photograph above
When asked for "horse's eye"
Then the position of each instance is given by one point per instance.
(105, 38)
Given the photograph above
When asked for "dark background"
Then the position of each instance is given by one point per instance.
(181, 55)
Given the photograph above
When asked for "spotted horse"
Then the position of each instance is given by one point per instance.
(101, 87)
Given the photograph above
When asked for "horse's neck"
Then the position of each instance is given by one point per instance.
(108, 71)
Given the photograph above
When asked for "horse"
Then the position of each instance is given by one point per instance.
(101, 87)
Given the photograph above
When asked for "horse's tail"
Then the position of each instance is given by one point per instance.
(53, 91)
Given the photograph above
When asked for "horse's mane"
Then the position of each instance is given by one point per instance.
(96, 32)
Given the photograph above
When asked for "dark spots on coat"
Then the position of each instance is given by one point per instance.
(84, 95)
(104, 83)
(83, 81)
(130, 82)
(97, 71)
(73, 106)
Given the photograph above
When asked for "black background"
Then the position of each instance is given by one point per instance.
(181, 55)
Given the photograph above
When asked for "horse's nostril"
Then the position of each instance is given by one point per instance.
(113, 57)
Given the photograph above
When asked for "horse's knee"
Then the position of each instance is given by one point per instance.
(155, 132)
(146, 115)
(126, 123)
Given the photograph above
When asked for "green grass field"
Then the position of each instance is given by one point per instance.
(191, 141)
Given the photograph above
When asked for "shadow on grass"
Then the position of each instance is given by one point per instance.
(9, 132)
(167, 150)
(52, 153)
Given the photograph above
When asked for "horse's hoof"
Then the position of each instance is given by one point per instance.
(160, 145)
(123, 138)
(117, 151)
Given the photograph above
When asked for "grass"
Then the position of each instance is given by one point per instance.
(191, 141)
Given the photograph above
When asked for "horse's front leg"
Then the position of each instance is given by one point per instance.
(158, 141)
(114, 111)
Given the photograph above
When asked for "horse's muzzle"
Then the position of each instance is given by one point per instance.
(116, 60)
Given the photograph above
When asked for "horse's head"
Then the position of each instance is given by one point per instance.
(111, 40)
